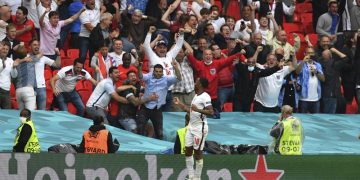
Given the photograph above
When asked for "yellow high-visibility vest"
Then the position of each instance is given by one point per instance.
(32, 146)
(181, 133)
(291, 139)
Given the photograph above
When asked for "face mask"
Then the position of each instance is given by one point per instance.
(251, 68)
(23, 120)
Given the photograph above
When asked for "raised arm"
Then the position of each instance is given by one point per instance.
(165, 17)
(147, 47)
(179, 43)
(41, 19)
(74, 17)
(289, 10)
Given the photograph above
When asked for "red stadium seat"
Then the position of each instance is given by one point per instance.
(67, 62)
(306, 17)
(293, 28)
(308, 27)
(71, 108)
(290, 38)
(297, 18)
(228, 107)
(62, 54)
(47, 74)
(49, 95)
(73, 53)
(303, 8)
(313, 38)
(85, 95)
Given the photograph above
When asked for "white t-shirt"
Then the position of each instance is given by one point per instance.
(217, 24)
(118, 58)
(39, 70)
(195, 5)
(33, 14)
(102, 94)
(89, 16)
(13, 4)
(238, 24)
(68, 79)
(5, 79)
(312, 89)
(268, 90)
(200, 101)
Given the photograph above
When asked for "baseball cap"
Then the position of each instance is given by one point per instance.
(161, 42)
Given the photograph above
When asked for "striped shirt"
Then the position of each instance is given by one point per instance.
(186, 85)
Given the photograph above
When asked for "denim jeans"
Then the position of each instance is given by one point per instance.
(40, 98)
(309, 106)
(329, 105)
(72, 97)
(84, 43)
(224, 94)
(169, 99)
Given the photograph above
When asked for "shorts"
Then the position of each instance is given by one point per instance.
(195, 137)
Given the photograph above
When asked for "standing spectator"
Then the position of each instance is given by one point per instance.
(331, 88)
(202, 45)
(125, 67)
(256, 41)
(164, 57)
(328, 23)
(101, 62)
(210, 69)
(156, 83)
(5, 19)
(354, 13)
(7, 71)
(320, 7)
(127, 112)
(63, 85)
(102, 33)
(247, 15)
(137, 4)
(104, 91)
(26, 139)
(25, 29)
(184, 89)
(10, 38)
(310, 77)
(98, 139)
(25, 82)
(280, 41)
(267, 93)
(50, 30)
(266, 32)
(324, 44)
(118, 53)
(220, 39)
(137, 25)
(357, 68)
(246, 79)
(278, 8)
(73, 8)
(13, 5)
(40, 86)
(89, 19)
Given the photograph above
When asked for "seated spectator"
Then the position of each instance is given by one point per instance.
(63, 85)
(310, 77)
(104, 91)
(328, 23)
(25, 29)
(7, 71)
(50, 31)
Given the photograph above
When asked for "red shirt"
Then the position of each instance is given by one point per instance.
(226, 74)
(27, 36)
(211, 71)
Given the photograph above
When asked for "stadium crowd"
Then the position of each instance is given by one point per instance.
(126, 60)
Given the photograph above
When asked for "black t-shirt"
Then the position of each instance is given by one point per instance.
(129, 110)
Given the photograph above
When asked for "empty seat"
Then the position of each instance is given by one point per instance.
(293, 28)
(73, 53)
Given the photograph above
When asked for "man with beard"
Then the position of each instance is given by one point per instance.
(64, 88)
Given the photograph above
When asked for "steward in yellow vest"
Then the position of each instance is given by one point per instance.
(98, 139)
(288, 133)
(179, 145)
(26, 139)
